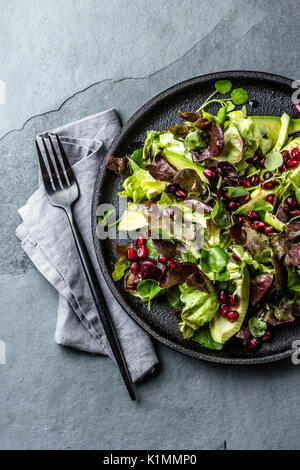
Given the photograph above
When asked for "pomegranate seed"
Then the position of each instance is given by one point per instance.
(252, 215)
(253, 225)
(162, 259)
(286, 208)
(270, 199)
(269, 184)
(285, 155)
(297, 106)
(254, 180)
(143, 252)
(228, 197)
(180, 193)
(292, 163)
(172, 188)
(210, 174)
(232, 316)
(141, 241)
(262, 162)
(233, 205)
(266, 336)
(134, 268)
(295, 213)
(171, 264)
(253, 343)
(253, 159)
(295, 154)
(291, 201)
(268, 175)
(260, 227)
(152, 260)
(131, 254)
(242, 219)
(224, 310)
(268, 230)
(233, 300)
(245, 182)
(245, 199)
(223, 297)
(236, 257)
(283, 168)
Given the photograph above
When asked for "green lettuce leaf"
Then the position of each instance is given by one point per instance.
(199, 307)
(204, 337)
(247, 130)
(133, 218)
(120, 268)
(140, 186)
(233, 146)
(173, 297)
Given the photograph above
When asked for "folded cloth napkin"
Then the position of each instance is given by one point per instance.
(46, 238)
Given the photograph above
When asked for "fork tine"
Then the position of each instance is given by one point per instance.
(51, 166)
(65, 160)
(58, 165)
(44, 171)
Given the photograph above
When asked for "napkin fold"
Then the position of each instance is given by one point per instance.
(47, 239)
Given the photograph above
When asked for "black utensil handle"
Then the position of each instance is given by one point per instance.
(101, 305)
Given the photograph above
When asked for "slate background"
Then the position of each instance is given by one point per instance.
(65, 59)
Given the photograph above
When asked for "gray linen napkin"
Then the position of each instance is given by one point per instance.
(47, 240)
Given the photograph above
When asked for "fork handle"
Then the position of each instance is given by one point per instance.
(101, 305)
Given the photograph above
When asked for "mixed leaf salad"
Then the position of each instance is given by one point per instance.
(216, 203)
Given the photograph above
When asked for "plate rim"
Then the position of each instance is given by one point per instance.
(152, 102)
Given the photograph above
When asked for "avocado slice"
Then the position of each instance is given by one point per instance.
(295, 175)
(283, 133)
(180, 162)
(272, 220)
(272, 124)
(221, 329)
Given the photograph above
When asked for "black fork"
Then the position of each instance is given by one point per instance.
(63, 191)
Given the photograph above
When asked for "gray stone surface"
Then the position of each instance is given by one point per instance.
(77, 58)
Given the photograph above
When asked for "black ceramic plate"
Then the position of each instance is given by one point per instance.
(273, 93)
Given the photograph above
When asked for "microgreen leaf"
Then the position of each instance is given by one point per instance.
(222, 113)
(220, 214)
(273, 160)
(214, 261)
(262, 206)
(148, 289)
(239, 96)
(257, 327)
(102, 220)
(236, 191)
(223, 86)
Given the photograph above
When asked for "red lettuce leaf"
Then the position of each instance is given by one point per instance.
(150, 271)
(188, 179)
(286, 244)
(259, 287)
(161, 169)
(119, 166)
(215, 145)
(189, 273)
